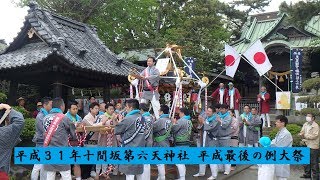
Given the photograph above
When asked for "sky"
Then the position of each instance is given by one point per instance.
(12, 17)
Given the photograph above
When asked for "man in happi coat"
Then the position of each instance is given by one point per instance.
(214, 134)
(250, 123)
(106, 140)
(220, 94)
(58, 128)
(181, 130)
(10, 130)
(151, 78)
(263, 98)
(161, 135)
(233, 99)
(218, 128)
(131, 130)
(39, 136)
(282, 139)
(92, 119)
(73, 116)
(148, 135)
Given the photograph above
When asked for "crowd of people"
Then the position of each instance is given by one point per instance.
(220, 125)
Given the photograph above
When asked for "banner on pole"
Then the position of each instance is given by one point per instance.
(192, 64)
(296, 69)
(283, 100)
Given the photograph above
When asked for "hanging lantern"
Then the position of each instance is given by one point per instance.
(281, 79)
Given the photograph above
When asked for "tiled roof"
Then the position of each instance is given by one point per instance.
(263, 26)
(3, 45)
(76, 42)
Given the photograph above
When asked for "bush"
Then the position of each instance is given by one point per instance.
(293, 129)
(314, 111)
(313, 83)
(24, 112)
(315, 99)
(115, 93)
(303, 99)
(296, 112)
(3, 98)
(29, 129)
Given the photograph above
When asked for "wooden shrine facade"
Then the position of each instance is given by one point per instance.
(51, 50)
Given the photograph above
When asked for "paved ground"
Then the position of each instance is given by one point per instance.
(251, 174)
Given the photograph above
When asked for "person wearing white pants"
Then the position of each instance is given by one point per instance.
(233, 99)
(65, 175)
(201, 143)
(249, 127)
(265, 171)
(131, 177)
(263, 99)
(218, 133)
(266, 118)
(36, 171)
(60, 131)
(155, 105)
(39, 136)
(148, 131)
(161, 134)
(181, 131)
(151, 77)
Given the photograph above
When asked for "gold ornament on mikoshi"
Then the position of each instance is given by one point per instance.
(131, 78)
(205, 80)
(200, 104)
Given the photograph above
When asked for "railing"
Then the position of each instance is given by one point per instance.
(252, 102)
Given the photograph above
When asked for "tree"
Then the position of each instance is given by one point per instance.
(311, 100)
(202, 26)
(252, 5)
(80, 10)
(301, 12)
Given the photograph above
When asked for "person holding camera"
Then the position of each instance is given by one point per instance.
(12, 123)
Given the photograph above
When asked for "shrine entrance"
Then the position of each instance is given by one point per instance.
(279, 57)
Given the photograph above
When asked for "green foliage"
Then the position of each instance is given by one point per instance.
(303, 93)
(313, 83)
(115, 93)
(201, 26)
(296, 112)
(314, 111)
(24, 112)
(29, 129)
(301, 12)
(304, 99)
(3, 97)
(315, 99)
(252, 4)
(294, 129)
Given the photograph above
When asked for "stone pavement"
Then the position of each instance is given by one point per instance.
(252, 174)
